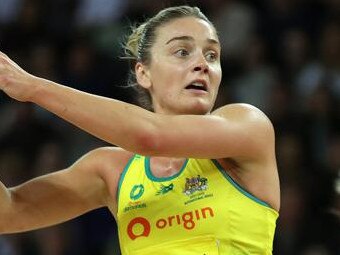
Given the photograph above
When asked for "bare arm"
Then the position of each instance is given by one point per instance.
(234, 131)
(52, 198)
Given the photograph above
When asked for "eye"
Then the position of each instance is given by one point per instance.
(181, 53)
(211, 56)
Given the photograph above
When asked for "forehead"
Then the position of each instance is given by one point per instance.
(188, 26)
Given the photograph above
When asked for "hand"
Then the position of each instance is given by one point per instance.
(15, 81)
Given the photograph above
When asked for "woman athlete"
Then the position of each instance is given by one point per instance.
(181, 178)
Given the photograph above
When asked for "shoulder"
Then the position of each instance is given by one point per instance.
(246, 114)
(254, 129)
(101, 169)
(104, 158)
(241, 110)
(108, 152)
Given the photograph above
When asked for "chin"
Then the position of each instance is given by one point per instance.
(199, 108)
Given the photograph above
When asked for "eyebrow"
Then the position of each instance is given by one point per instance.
(189, 38)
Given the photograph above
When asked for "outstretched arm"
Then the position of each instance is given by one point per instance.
(52, 198)
(234, 131)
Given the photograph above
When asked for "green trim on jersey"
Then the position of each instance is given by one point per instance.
(238, 186)
(161, 179)
(121, 179)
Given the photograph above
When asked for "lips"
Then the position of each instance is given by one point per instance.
(198, 85)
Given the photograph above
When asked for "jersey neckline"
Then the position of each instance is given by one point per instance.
(150, 175)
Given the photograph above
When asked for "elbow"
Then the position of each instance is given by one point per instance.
(148, 143)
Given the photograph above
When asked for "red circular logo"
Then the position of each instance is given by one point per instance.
(138, 221)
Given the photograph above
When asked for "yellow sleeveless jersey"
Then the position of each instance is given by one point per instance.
(198, 211)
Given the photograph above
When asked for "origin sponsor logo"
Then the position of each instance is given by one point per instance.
(140, 226)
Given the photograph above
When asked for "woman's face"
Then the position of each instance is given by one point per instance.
(185, 71)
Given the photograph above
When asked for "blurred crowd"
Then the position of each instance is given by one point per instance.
(282, 56)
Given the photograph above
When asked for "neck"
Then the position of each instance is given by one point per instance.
(164, 166)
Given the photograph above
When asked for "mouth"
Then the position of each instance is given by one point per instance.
(198, 85)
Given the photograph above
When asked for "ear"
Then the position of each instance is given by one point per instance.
(143, 75)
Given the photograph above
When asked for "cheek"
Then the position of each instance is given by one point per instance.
(162, 82)
(217, 75)
(160, 70)
(167, 75)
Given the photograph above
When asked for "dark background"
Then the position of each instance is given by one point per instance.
(283, 56)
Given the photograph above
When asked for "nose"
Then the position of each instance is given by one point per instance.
(201, 65)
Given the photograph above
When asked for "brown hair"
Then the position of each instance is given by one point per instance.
(138, 45)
